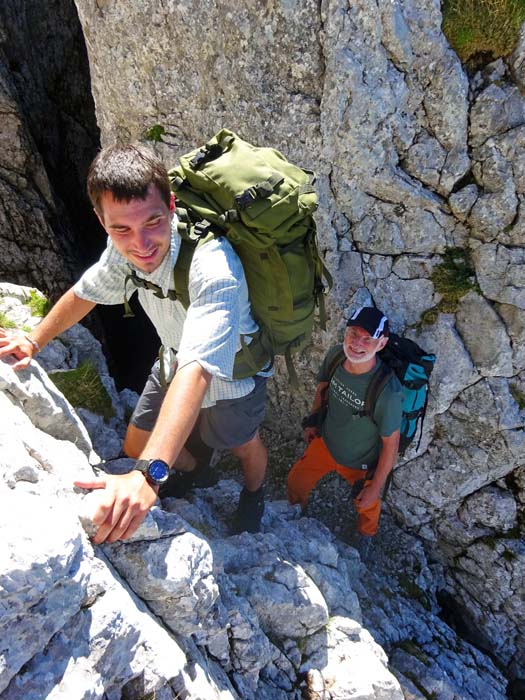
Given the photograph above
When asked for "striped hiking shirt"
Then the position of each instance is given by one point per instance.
(209, 330)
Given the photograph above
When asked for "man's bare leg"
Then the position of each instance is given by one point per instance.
(254, 460)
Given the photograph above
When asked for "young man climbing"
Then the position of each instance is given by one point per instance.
(129, 189)
(359, 447)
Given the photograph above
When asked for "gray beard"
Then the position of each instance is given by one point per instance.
(362, 358)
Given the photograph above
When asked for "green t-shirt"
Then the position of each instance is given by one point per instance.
(353, 440)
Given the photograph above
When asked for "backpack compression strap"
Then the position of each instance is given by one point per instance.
(211, 151)
(138, 282)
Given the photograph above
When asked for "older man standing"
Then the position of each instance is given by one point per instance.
(341, 435)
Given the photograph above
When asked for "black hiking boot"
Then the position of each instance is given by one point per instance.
(249, 512)
(179, 483)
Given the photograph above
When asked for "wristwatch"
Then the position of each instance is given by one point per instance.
(156, 471)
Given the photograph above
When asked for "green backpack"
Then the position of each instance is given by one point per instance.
(263, 205)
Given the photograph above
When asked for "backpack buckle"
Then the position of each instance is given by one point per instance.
(202, 228)
(205, 155)
(246, 198)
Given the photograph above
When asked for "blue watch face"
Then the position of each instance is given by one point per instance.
(158, 470)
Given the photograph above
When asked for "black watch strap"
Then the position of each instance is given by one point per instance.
(156, 471)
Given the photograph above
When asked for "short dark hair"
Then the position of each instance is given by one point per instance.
(126, 171)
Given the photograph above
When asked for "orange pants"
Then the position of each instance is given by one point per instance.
(314, 464)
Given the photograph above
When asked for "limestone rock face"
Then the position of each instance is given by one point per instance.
(414, 159)
(172, 613)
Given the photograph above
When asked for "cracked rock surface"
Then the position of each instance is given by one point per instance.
(414, 158)
(185, 610)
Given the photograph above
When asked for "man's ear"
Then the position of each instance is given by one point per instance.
(382, 342)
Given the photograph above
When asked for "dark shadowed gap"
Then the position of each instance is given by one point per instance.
(43, 45)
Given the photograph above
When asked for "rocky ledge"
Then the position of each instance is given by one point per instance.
(184, 610)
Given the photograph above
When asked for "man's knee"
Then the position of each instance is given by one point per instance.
(254, 448)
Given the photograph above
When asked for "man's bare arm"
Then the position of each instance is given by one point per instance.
(178, 413)
(385, 464)
(68, 310)
(311, 432)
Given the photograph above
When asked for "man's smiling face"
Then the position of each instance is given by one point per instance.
(359, 346)
(140, 229)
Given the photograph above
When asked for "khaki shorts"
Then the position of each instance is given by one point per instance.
(228, 424)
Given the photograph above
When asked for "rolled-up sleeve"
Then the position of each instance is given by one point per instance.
(211, 330)
(103, 282)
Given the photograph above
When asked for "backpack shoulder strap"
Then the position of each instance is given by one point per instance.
(181, 271)
(336, 361)
(379, 380)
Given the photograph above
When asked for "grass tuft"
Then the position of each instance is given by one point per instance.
(412, 590)
(482, 27)
(452, 278)
(6, 322)
(414, 650)
(83, 389)
(155, 133)
(38, 304)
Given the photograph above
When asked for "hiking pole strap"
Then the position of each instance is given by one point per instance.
(292, 374)
(248, 356)
(423, 414)
(388, 482)
(322, 310)
(327, 276)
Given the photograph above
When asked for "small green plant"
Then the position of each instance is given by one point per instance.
(6, 322)
(156, 134)
(452, 278)
(477, 28)
(517, 395)
(38, 304)
(491, 542)
(83, 389)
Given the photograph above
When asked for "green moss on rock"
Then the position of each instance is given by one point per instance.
(6, 322)
(38, 304)
(453, 277)
(83, 388)
(477, 28)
